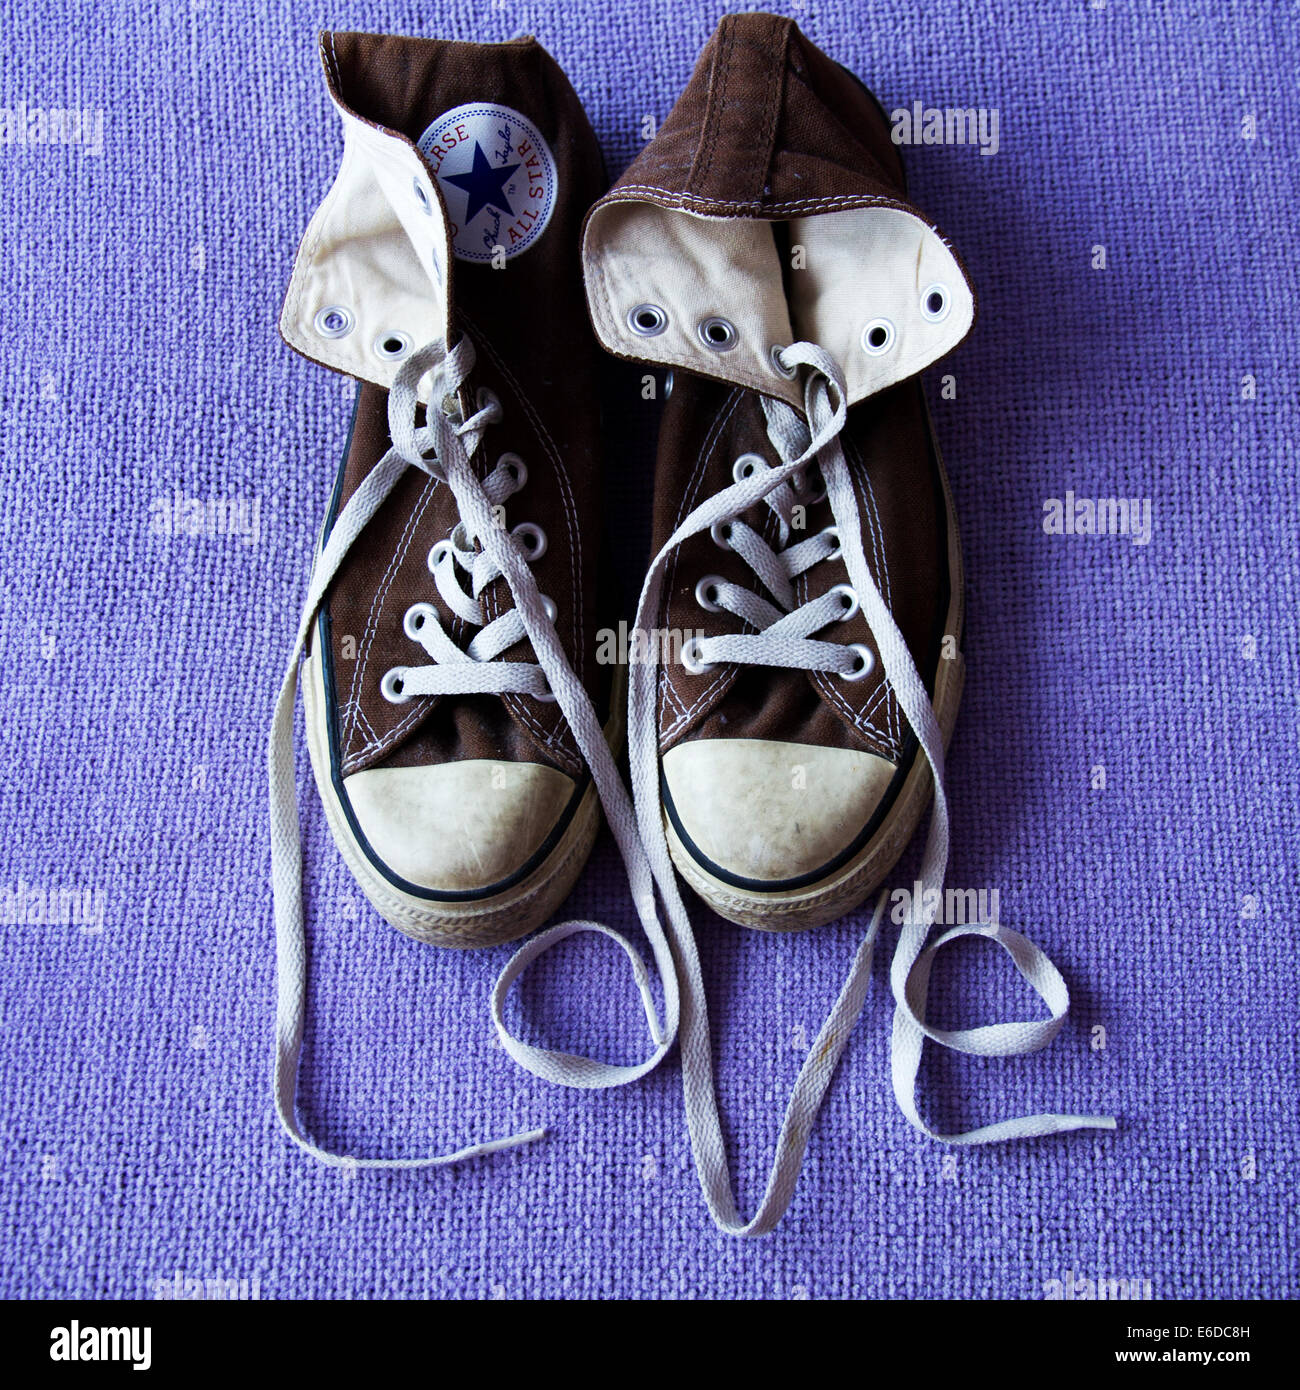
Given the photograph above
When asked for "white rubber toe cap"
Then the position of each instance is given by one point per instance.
(458, 827)
(767, 812)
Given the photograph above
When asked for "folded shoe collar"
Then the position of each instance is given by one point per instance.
(770, 209)
(371, 280)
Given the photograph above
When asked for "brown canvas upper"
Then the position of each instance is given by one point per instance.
(769, 146)
(767, 126)
(534, 351)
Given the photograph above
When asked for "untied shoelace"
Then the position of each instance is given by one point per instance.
(444, 447)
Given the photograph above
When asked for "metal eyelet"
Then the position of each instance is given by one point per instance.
(392, 347)
(851, 608)
(779, 367)
(718, 335)
(668, 385)
(935, 302)
(878, 337)
(691, 658)
(438, 552)
(647, 320)
(421, 194)
(721, 534)
(812, 498)
(866, 661)
(746, 466)
(549, 608)
(534, 539)
(334, 321)
(709, 582)
(391, 686)
(415, 618)
(839, 548)
(516, 467)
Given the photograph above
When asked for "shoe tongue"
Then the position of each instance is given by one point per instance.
(772, 199)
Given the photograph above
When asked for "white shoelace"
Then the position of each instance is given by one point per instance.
(443, 447)
(783, 640)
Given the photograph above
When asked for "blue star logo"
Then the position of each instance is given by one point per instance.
(484, 185)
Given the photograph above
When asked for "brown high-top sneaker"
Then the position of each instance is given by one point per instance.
(465, 811)
(458, 722)
(804, 604)
(770, 210)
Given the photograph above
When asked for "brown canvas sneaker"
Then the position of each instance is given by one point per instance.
(802, 614)
(467, 814)
(457, 720)
(771, 210)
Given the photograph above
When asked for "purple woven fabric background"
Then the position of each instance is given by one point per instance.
(139, 364)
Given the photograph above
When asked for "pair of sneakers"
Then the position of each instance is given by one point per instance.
(796, 659)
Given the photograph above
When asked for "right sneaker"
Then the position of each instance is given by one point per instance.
(463, 807)
(806, 579)
(768, 217)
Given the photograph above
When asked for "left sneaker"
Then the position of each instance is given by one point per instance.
(451, 779)
(458, 720)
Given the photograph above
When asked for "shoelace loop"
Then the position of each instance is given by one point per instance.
(446, 443)
(801, 442)
(443, 447)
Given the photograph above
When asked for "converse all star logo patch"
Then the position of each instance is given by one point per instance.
(497, 176)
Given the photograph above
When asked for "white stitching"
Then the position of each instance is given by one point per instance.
(851, 200)
(556, 740)
(863, 720)
(371, 630)
(692, 487)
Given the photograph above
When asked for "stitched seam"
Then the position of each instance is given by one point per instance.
(550, 739)
(380, 743)
(668, 694)
(841, 200)
(370, 630)
(858, 722)
(372, 620)
(823, 683)
(356, 712)
(716, 109)
(553, 739)
(868, 494)
(863, 719)
(775, 91)
(570, 505)
(687, 503)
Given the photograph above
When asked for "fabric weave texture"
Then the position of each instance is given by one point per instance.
(1123, 774)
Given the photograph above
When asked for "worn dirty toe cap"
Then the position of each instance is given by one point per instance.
(466, 827)
(761, 813)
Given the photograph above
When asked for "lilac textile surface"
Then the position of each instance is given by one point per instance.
(1123, 773)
